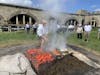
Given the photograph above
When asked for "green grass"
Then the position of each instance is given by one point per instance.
(93, 43)
(16, 38)
(21, 37)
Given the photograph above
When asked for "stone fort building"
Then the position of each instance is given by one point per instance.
(17, 16)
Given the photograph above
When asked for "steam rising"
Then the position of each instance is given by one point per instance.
(55, 5)
(57, 38)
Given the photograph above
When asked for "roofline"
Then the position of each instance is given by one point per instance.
(38, 9)
(26, 7)
(18, 6)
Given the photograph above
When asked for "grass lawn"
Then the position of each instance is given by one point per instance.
(93, 44)
(8, 39)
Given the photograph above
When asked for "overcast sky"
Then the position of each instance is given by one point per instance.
(65, 5)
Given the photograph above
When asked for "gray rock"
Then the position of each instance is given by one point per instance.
(16, 64)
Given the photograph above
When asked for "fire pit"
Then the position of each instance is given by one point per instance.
(39, 57)
(68, 65)
(46, 63)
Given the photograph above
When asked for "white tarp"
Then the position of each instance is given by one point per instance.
(16, 64)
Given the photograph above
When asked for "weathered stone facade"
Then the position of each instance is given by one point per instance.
(19, 15)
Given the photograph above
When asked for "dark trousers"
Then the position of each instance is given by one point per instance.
(28, 30)
(79, 35)
(34, 30)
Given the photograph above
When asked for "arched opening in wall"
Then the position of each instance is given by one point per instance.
(73, 22)
(1, 20)
(93, 22)
(83, 22)
(21, 19)
(52, 20)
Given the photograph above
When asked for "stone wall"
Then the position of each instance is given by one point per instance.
(8, 11)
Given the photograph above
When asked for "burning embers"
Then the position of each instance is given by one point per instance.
(39, 57)
(41, 60)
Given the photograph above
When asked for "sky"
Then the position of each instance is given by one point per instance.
(70, 6)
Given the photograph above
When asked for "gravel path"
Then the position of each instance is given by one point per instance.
(23, 48)
(15, 49)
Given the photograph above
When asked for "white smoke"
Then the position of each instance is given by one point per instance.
(18, 2)
(53, 5)
(56, 39)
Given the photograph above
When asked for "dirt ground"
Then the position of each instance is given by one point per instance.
(69, 65)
